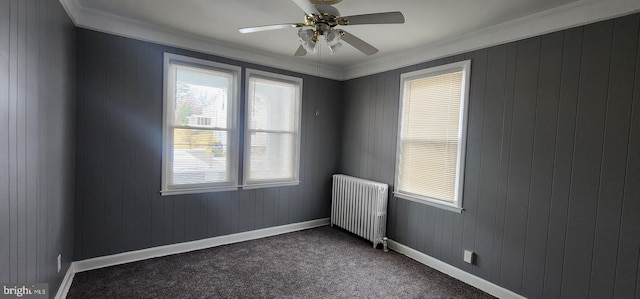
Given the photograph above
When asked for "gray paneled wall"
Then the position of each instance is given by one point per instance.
(118, 204)
(552, 179)
(37, 114)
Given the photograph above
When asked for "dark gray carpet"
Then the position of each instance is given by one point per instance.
(323, 262)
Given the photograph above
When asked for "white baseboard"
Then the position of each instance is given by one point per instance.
(454, 272)
(66, 282)
(143, 254)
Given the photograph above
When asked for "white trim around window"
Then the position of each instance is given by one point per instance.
(432, 131)
(200, 138)
(271, 130)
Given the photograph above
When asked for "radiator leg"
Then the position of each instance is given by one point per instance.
(385, 248)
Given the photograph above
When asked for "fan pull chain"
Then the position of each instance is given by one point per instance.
(318, 80)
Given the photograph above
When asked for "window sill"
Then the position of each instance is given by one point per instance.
(197, 190)
(430, 202)
(269, 185)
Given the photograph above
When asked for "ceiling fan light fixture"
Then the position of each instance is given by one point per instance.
(308, 40)
(306, 35)
(311, 46)
(333, 37)
(335, 47)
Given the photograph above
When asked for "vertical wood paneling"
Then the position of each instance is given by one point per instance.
(587, 157)
(79, 145)
(41, 253)
(614, 157)
(413, 231)
(18, 142)
(520, 163)
(402, 214)
(179, 225)
(378, 128)
(271, 207)
(284, 203)
(420, 225)
(211, 209)
(37, 95)
(307, 145)
(628, 259)
(505, 156)
(365, 93)
(192, 218)
(447, 237)
(542, 165)
(5, 212)
(114, 152)
(348, 131)
(390, 121)
(563, 161)
(13, 97)
(203, 215)
(93, 170)
(251, 208)
(490, 157)
(32, 140)
(429, 230)
(128, 143)
(155, 154)
(437, 231)
(144, 130)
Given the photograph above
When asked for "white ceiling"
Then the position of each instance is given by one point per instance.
(430, 24)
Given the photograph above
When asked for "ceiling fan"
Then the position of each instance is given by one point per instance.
(322, 18)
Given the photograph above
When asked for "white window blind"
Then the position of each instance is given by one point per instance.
(199, 127)
(272, 137)
(432, 134)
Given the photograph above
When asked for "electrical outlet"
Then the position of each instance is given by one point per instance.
(469, 257)
(59, 262)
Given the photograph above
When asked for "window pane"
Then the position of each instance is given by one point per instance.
(201, 98)
(431, 143)
(271, 105)
(271, 156)
(428, 169)
(200, 156)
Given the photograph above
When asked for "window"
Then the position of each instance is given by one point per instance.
(432, 135)
(200, 144)
(272, 129)
(201, 131)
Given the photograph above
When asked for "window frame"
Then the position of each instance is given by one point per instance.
(233, 130)
(298, 82)
(465, 67)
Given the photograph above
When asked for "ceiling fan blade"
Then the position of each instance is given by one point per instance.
(359, 44)
(301, 51)
(307, 7)
(270, 27)
(395, 17)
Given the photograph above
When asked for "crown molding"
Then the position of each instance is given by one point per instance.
(108, 23)
(559, 18)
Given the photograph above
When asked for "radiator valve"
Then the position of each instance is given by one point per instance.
(384, 244)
